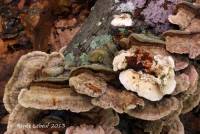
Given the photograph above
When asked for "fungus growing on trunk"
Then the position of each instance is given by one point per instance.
(150, 76)
(122, 20)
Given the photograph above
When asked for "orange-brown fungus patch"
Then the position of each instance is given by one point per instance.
(141, 60)
(93, 87)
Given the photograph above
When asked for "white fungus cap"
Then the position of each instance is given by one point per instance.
(143, 84)
(122, 20)
(119, 61)
(151, 87)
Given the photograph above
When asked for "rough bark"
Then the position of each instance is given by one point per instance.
(97, 23)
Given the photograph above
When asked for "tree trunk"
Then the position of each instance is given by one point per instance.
(97, 23)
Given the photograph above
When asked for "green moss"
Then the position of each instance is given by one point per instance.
(84, 59)
(102, 56)
(76, 45)
(97, 55)
(100, 41)
(123, 31)
(69, 59)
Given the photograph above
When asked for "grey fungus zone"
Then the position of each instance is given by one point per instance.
(21, 115)
(33, 121)
(118, 100)
(54, 98)
(23, 75)
(172, 126)
(137, 75)
(155, 111)
(25, 72)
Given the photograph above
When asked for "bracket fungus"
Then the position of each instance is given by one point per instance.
(150, 76)
(120, 101)
(104, 95)
(180, 62)
(172, 126)
(29, 120)
(60, 98)
(185, 14)
(185, 40)
(182, 83)
(55, 65)
(155, 111)
(25, 72)
(183, 43)
(193, 93)
(191, 71)
(23, 75)
(21, 119)
(88, 84)
(191, 102)
(98, 81)
(122, 20)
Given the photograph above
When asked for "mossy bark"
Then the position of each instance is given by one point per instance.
(98, 23)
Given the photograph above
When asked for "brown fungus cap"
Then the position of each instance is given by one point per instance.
(155, 110)
(54, 70)
(192, 101)
(185, 13)
(140, 40)
(23, 75)
(191, 71)
(146, 39)
(181, 62)
(21, 121)
(157, 126)
(186, 40)
(88, 84)
(153, 127)
(193, 77)
(91, 67)
(54, 66)
(182, 83)
(188, 5)
(187, 17)
(32, 121)
(183, 43)
(118, 100)
(174, 126)
(47, 97)
(153, 50)
(109, 118)
(194, 26)
(25, 72)
(197, 2)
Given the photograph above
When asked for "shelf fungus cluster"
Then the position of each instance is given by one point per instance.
(150, 76)
(142, 79)
(185, 40)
